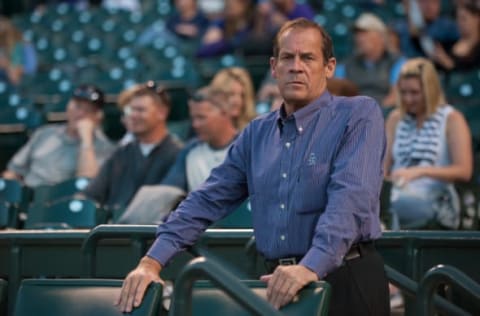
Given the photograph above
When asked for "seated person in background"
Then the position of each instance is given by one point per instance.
(143, 161)
(215, 130)
(56, 153)
(424, 27)
(17, 57)
(187, 22)
(270, 15)
(225, 35)
(276, 12)
(237, 84)
(210, 113)
(372, 68)
(428, 149)
(465, 53)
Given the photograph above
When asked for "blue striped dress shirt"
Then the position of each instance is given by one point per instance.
(313, 179)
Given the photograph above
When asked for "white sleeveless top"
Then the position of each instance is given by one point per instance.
(426, 146)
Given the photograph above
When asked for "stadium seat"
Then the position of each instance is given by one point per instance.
(245, 297)
(79, 297)
(209, 300)
(65, 214)
(240, 218)
(464, 88)
(15, 126)
(11, 198)
(66, 189)
(3, 297)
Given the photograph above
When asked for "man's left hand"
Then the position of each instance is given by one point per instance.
(285, 282)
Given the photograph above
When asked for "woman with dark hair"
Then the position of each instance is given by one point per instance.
(465, 53)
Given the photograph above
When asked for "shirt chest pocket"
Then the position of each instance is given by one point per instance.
(310, 193)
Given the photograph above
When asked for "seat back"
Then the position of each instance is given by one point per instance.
(65, 189)
(209, 300)
(3, 297)
(79, 297)
(240, 218)
(66, 213)
(11, 196)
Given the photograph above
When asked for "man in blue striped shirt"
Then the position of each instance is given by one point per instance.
(313, 172)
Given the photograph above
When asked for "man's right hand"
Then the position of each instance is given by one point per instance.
(136, 282)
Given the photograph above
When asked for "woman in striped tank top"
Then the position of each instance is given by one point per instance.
(428, 149)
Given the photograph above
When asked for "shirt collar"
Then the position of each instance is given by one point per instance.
(305, 115)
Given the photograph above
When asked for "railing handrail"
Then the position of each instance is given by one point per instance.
(411, 288)
(207, 268)
(442, 274)
(89, 246)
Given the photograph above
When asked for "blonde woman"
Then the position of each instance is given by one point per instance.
(237, 83)
(428, 149)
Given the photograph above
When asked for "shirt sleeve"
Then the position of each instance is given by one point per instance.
(353, 191)
(20, 162)
(223, 191)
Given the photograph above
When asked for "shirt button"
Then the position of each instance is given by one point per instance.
(300, 129)
(282, 237)
(282, 206)
(284, 175)
(287, 145)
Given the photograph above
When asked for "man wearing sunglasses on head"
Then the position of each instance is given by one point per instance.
(145, 160)
(59, 152)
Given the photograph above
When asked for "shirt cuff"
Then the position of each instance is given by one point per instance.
(320, 262)
(162, 251)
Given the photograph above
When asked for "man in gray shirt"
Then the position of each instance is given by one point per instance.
(59, 152)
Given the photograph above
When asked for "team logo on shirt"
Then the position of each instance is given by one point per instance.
(312, 159)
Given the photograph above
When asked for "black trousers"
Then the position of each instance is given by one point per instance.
(360, 287)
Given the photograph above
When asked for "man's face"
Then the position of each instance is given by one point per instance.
(79, 109)
(430, 9)
(367, 42)
(145, 115)
(300, 68)
(207, 120)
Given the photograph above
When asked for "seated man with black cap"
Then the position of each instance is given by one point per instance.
(59, 152)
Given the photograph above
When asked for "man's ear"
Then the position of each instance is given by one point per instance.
(273, 65)
(330, 67)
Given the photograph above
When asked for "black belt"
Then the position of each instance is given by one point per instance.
(357, 250)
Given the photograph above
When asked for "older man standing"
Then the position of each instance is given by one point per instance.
(313, 172)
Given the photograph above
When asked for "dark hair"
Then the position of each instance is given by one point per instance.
(90, 93)
(157, 92)
(302, 23)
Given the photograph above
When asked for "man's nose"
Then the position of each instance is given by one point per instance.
(296, 64)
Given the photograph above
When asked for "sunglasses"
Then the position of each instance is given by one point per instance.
(159, 90)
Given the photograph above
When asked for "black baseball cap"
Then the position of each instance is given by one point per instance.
(90, 93)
